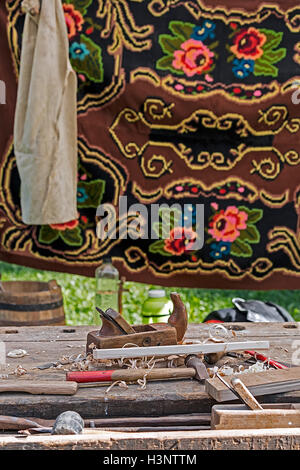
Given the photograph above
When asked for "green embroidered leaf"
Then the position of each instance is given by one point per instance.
(157, 228)
(262, 67)
(214, 45)
(48, 235)
(241, 248)
(174, 215)
(184, 30)
(273, 38)
(274, 56)
(80, 5)
(169, 44)
(254, 215)
(230, 58)
(250, 234)
(72, 237)
(90, 194)
(165, 62)
(158, 247)
(91, 65)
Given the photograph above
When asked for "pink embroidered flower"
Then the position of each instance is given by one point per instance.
(248, 44)
(66, 226)
(193, 58)
(179, 243)
(226, 225)
(74, 20)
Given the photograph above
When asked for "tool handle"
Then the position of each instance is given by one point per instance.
(90, 376)
(261, 357)
(129, 375)
(39, 388)
(245, 394)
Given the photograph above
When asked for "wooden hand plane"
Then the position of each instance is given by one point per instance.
(116, 332)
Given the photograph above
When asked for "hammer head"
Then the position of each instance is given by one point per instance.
(196, 363)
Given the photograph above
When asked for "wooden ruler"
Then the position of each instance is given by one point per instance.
(206, 348)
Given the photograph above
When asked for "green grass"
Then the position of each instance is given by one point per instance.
(78, 294)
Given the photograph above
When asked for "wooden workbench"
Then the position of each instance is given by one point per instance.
(46, 344)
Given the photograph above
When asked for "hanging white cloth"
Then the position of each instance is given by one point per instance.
(45, 131)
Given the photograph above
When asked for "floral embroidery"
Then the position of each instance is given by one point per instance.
(248, 44)
(234, 229)
(82, 195)
(254, 51)
(226, 225)
(207, 30)
(66, 226)
(242, 68)
(193, 58)
(78, 51)
(186, 53)
(74, 20)
(220, 249)
(89, 195)
(177, 238)
(85, 54)
(180, 241)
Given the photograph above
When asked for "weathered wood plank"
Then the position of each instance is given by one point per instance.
(270, 439)
(46, 344)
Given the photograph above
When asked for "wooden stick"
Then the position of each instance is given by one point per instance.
(39, 388)
(245, 394)
(151, 351)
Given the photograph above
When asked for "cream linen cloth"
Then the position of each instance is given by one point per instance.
(45, 130)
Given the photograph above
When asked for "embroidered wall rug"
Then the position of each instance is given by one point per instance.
(186, 102)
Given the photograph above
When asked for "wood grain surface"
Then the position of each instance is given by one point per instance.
(46, 344)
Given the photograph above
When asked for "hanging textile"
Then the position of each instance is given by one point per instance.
(190, 102)
(45, 133)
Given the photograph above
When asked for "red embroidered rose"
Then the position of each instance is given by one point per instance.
(74, 20)
(181, 240)
(226, 225)
(248, 44)
(66, 226)
(193, 58)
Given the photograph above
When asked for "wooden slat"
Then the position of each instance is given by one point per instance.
(238, 417)
(260, 383)
(262, 439)
(207, 348)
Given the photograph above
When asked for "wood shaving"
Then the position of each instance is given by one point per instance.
(20, 370)
(120, 383)
(17, 353)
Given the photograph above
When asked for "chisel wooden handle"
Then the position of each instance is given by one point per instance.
(39, 388)
(129, 375)
(245, 394)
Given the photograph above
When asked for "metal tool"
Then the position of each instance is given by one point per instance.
(196, 369)
(116, 332)
(106, 315)
(193, 361)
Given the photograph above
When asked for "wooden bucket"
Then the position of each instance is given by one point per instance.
(31, 303)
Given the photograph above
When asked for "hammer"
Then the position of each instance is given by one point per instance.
(195, 369)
